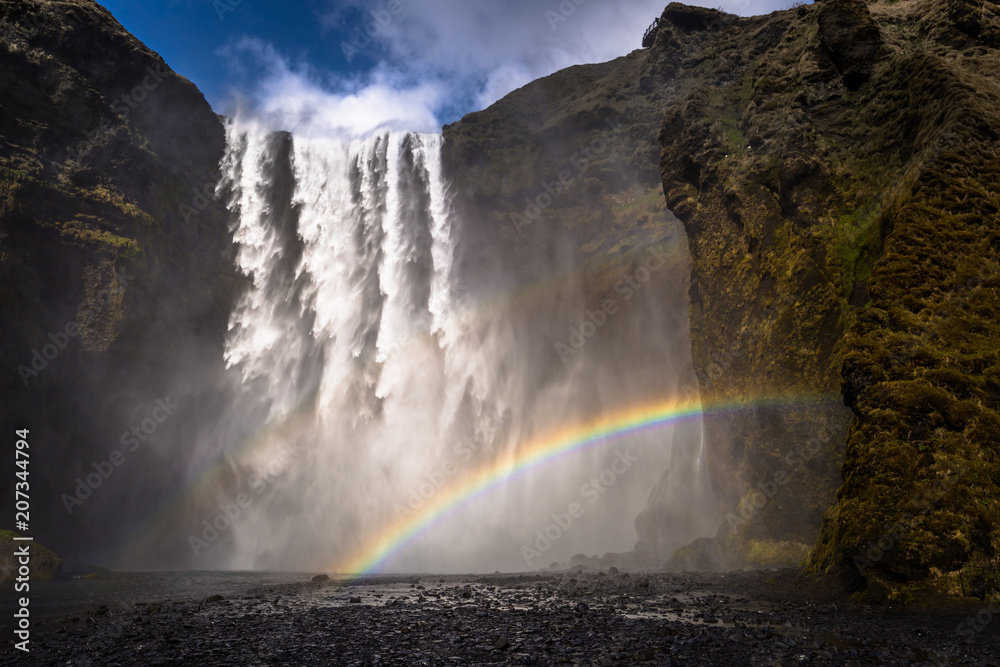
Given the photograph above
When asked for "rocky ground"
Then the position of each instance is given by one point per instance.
(588, 618)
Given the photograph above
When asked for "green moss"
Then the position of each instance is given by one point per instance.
(853, 240)
(771, 553)
(123, 245)
(44, 563)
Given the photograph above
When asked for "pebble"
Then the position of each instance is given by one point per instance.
(528, 619)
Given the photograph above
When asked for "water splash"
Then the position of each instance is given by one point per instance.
(380, 377)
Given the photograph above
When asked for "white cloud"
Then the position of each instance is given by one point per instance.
(299, 99)
(439, 57)
(508, 43)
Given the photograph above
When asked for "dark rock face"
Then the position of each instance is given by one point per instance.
(830, 165)
(844, 244)
(115, 261)
(851, 38)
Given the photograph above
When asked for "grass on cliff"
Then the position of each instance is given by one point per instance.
(44, 563)
(922, 468)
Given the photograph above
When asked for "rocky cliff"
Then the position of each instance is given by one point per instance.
(834, 169)
(502, 159)
(847, 180)
(115, 263)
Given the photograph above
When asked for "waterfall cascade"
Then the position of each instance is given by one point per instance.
(373, 377)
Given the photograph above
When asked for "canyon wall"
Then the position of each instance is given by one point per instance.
(117, 267)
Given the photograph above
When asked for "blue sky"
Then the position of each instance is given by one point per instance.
(353, 66)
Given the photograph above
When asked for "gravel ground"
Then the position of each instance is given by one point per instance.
(586, 618)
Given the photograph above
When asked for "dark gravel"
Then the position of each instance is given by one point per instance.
(753, 618)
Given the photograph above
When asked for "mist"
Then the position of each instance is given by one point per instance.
(389, 347)
(377, 374)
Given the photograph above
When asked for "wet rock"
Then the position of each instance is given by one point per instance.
(320, 579)
(851, 38)
(296, 624)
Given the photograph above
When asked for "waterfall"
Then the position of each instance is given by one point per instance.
(371, 374)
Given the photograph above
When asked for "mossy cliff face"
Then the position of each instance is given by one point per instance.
(833, 167)
(839, 194)
(743, 168)
(116, 267)
(919, 511)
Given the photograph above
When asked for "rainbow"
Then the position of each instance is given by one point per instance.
(387, 542)
(392, 538)
(164, 517)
